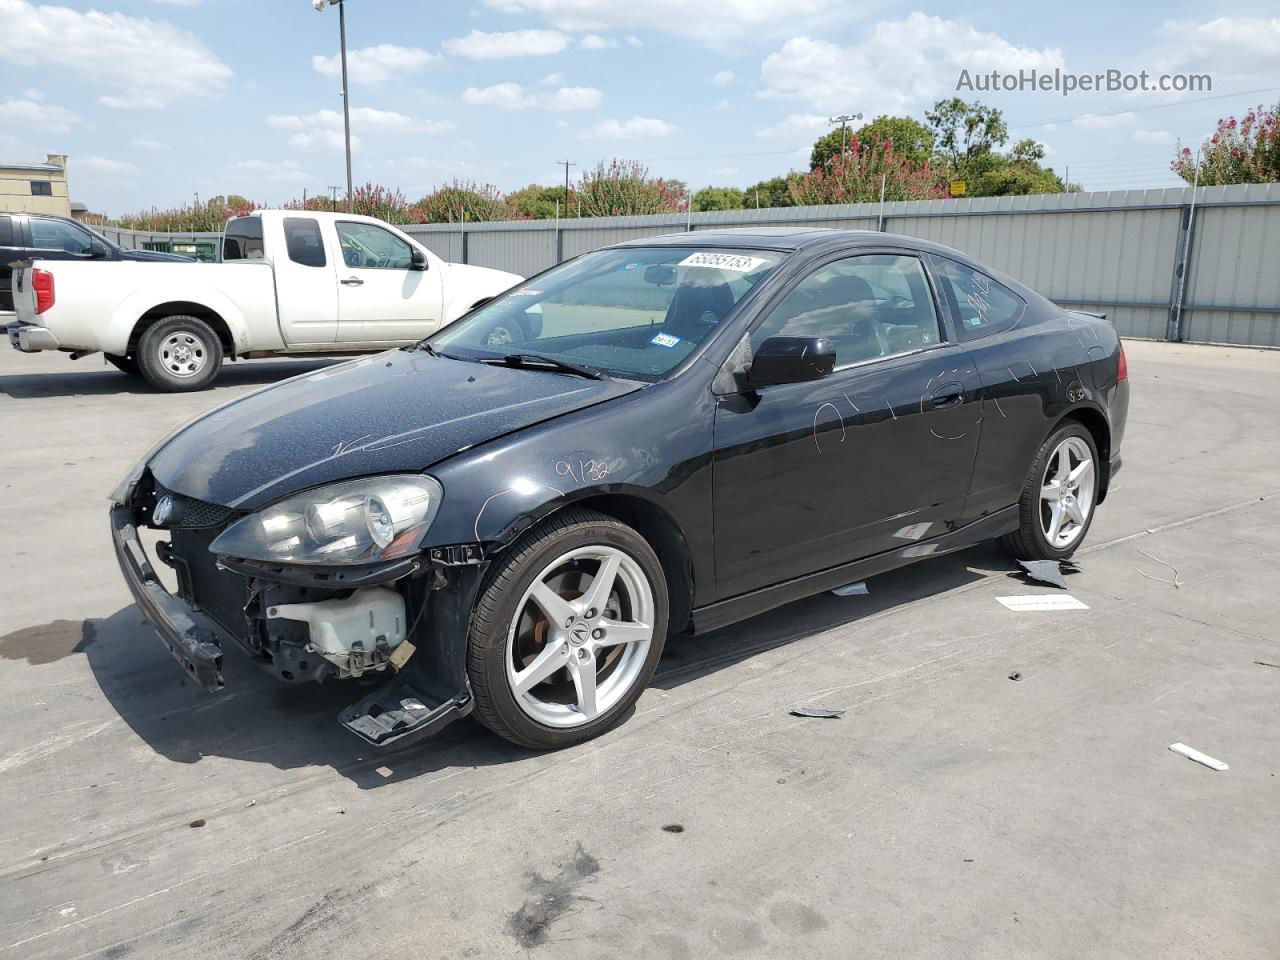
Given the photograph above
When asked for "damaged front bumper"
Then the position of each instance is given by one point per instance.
(429, 687)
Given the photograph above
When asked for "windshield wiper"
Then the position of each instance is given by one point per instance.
(538, 359)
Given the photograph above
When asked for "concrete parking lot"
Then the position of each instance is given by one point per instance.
(950, 812)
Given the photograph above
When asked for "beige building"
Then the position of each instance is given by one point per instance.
(36, 187)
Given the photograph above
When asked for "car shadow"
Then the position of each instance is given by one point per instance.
(258, 719)
(99, 381)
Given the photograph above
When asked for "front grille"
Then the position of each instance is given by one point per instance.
(192, 514)
(222, 594)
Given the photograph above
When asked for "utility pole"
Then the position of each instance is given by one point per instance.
(844, 120)
(346, 99)
(333, 198)
(566, 164)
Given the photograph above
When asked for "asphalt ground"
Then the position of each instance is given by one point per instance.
(949, 812)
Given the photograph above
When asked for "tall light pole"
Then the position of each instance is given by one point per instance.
(346, 99)
(843, 120)
(566, 164)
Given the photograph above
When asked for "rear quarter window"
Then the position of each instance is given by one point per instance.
(303, 240)
(981, 306)
(243, 239)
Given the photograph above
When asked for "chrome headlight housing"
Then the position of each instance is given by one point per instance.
(353, 522)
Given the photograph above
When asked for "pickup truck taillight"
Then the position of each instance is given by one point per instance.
(42, 286)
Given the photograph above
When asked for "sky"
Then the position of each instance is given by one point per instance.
(157, 101)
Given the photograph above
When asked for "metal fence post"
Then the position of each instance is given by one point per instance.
(1175, 330)
(463, 222)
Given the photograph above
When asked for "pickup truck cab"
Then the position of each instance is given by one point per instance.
(289, 283)
(24, 236)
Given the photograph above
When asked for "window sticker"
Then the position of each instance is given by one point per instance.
(630, 266)
(665, 340)
(737, 262)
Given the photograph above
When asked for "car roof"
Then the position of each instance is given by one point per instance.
(790, 239)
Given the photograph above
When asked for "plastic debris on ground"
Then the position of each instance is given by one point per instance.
(1046, 571)
(1192, 754)
(1266, 663)
(1042, 601)
(851, 589)
(821, 713)
(1015, 675)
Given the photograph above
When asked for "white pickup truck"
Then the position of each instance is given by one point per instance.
(289, 282)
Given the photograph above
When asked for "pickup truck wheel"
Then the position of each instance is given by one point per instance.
(567, 631)
(180, 353)
(127, 365)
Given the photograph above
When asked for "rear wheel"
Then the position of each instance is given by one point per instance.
(179, 353)
(567, 631)
(1059, 497)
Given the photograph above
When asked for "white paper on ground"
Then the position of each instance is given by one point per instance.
(1043, 601)
(1198, 757)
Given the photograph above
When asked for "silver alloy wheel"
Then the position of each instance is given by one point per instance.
(580, 636)
(1066, 492)
(182, 354)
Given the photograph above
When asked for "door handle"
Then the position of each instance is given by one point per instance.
(352, 282)
(949, 396)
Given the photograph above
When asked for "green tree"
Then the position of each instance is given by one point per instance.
(909, 137)
(966, 134)
(862, 172)
(718, 198)
(774, 192)
(536, 202)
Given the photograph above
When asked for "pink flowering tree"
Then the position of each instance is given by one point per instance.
(623, 188)
(447, 203)
(855, 176)
(1246, 150)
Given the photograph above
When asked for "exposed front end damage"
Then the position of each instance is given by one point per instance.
(397, 627)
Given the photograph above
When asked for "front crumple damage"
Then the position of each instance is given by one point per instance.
(401, 626)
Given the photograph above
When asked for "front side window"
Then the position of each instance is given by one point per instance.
(242, 239)
(41, 188)
(370, 247)
(303, 240)
(869, 306)
(57, 235)
(636, 312)
(980, 305)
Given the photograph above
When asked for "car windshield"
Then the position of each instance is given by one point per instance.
(634, 313)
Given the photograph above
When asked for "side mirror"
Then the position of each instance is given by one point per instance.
(418, 259)
(791, 360)
(99, 250)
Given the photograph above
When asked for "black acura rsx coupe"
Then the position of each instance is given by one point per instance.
(660, 437)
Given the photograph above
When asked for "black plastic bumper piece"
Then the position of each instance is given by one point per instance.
(399, 714)
(192, 644)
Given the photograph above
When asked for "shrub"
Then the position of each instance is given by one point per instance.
(1239, 151)
(622, 188)
(855, 176)
(446, 204)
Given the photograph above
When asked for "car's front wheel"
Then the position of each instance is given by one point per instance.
(567, 631)
(1059, 496)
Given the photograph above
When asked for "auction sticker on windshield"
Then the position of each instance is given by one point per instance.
(723, 261)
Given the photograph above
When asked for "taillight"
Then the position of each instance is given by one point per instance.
(1122, 366)
(42, 285)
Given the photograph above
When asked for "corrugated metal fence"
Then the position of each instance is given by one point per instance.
(1125, 252)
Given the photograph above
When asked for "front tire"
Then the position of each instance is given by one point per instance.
(179, 354)
(1059, 496)
(567, 632)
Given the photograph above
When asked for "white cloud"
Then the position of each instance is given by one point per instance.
(902, 65)
(634, 41)
(135, 61)
(324, 128)
(634, 129)
(710, 20)
(722, 78)
(43, 116)
(593, 41)
(512, 96)
(795, 125)
(1227, 45)
(103, 165)
(178, 3)
(478, 45)
(379, 64)
(553, 79)
(146, 143)
(722, 104)
(1094, 122)
(282, 171)
(1153, 136)
(33, 93)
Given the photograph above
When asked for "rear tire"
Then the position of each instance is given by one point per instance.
(1059, 496)
(554, 679)
(179, 354)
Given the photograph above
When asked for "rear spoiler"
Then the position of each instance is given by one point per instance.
(1097, 314)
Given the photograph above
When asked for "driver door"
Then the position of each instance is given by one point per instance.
(877, 455)
(381, 298)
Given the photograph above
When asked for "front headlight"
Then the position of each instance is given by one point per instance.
(358, 521)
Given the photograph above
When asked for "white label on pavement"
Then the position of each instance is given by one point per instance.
(1043, 601)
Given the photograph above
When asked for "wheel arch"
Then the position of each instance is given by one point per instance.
(1095, 421)
(174, 308)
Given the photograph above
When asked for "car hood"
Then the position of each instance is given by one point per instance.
(396, 412)
(153, 255)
